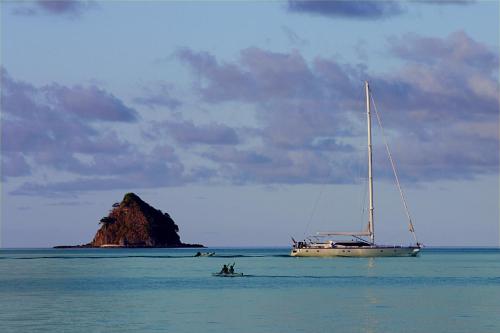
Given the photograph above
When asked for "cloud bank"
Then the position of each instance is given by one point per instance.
(440, 108)
(445, 86)
(354, 9)
(66, 8)
(72, 133)
(361, 9)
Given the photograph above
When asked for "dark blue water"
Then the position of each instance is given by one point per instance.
(168, 290)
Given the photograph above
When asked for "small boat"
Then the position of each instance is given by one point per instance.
(227, 274)
(228, 271)
(205, 254)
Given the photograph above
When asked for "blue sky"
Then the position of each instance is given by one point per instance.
(244, 120)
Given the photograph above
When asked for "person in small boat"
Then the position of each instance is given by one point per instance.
(231, 269)
(198, 254)
(224, 270)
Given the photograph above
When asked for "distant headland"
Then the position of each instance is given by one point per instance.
(134, 223)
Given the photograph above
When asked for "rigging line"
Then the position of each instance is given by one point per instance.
(313, 210)
(403, 199)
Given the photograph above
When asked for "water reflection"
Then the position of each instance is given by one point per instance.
(371, 321)
(371, 263)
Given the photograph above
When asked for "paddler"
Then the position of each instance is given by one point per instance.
(224, 270)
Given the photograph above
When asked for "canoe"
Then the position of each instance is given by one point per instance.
(227, 274)
(206, 254)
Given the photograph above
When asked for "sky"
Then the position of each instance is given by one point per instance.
(245, 120)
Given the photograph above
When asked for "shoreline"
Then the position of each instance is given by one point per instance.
(117, 246)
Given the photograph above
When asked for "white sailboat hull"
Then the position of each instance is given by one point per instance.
(371, 251)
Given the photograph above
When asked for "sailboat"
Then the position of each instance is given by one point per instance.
(361, 243)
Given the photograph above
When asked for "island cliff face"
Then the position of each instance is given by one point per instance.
(134, 223)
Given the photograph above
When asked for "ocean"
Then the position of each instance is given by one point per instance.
(169, 290)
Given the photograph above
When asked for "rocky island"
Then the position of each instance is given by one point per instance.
(134, 223)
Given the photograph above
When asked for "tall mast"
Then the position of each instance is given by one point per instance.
(370, 171)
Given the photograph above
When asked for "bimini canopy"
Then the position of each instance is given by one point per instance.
(346, 233)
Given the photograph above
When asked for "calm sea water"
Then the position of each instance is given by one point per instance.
(167, 290)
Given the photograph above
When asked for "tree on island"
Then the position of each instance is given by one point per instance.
(107, 220)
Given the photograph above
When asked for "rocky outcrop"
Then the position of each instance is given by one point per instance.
(134, 223)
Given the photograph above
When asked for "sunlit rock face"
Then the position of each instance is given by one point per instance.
(134, 223)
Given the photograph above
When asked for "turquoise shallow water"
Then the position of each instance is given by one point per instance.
(167, 290)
